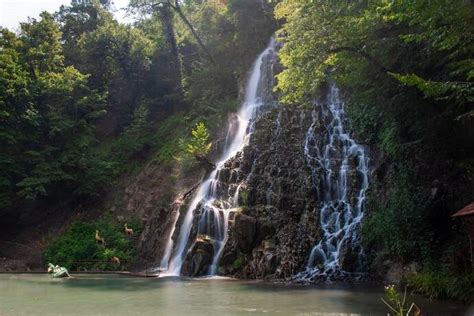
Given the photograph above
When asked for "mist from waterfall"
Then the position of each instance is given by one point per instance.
(339, 168)
(214, 200)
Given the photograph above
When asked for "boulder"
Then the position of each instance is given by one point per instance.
(200, 258)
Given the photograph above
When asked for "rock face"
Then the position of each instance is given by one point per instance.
(275, 227)
(148, 195)
(278, 198)
(155, 196)
(245, 228)
(257, 214)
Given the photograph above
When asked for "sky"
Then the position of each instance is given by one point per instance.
(12, 12)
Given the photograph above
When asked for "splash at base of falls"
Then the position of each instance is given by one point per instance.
(339, 170)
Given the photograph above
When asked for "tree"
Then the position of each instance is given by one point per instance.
(17, 117)
(445, 28)
(48, 113)
(76, 20)
(164, 6)
(118, 58)
(40, 45)
(199, 145)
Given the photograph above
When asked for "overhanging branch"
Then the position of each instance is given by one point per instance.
(363, 54)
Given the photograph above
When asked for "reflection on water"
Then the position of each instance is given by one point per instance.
(28, 294)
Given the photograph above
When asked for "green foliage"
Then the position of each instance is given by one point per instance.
(115, 51)
(400, 225)
(40, 44)
(229, 31)
(442, 284)
(75, 20)
(321, 35)
(439, 28)
(77, 248)
(199, 144)
(367, 120)
(167, 138)
(48, 115)
(389, 141)
(239, 261)
(135, 139)
(459, 91)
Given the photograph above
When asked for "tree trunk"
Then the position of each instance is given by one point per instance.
(168, 28)
(177, 8)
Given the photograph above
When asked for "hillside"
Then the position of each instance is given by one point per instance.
(299, 140)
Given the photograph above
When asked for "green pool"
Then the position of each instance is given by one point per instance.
(88, 294)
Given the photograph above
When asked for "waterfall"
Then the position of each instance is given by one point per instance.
(339, 170)
(215, 200)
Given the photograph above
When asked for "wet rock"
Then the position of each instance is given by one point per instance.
(279, 197)
(349, 258)
(264, 229)
(244, 232)
(200, 257)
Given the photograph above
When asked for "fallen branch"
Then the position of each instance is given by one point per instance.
(190, 191)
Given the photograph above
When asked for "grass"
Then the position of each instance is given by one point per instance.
(443, 284)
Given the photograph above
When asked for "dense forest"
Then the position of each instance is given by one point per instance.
(87, 101)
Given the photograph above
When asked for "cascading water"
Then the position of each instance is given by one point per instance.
(215, 200)
(339, 169)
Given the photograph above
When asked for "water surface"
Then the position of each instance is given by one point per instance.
(38, 294)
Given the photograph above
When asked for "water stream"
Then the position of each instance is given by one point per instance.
(339, 168)
(214, 200)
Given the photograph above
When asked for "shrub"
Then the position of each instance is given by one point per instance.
(389, 141)
(77, 249)
(366, 120)
(199, 144)
(398, 226)
(441, 284)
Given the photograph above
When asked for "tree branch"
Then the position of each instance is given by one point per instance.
(361, 53)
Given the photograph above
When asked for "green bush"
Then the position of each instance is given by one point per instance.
(366, 120)
(399, 226)
(389, 141)
(77, 248)
(166, 138)
(441, 284)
